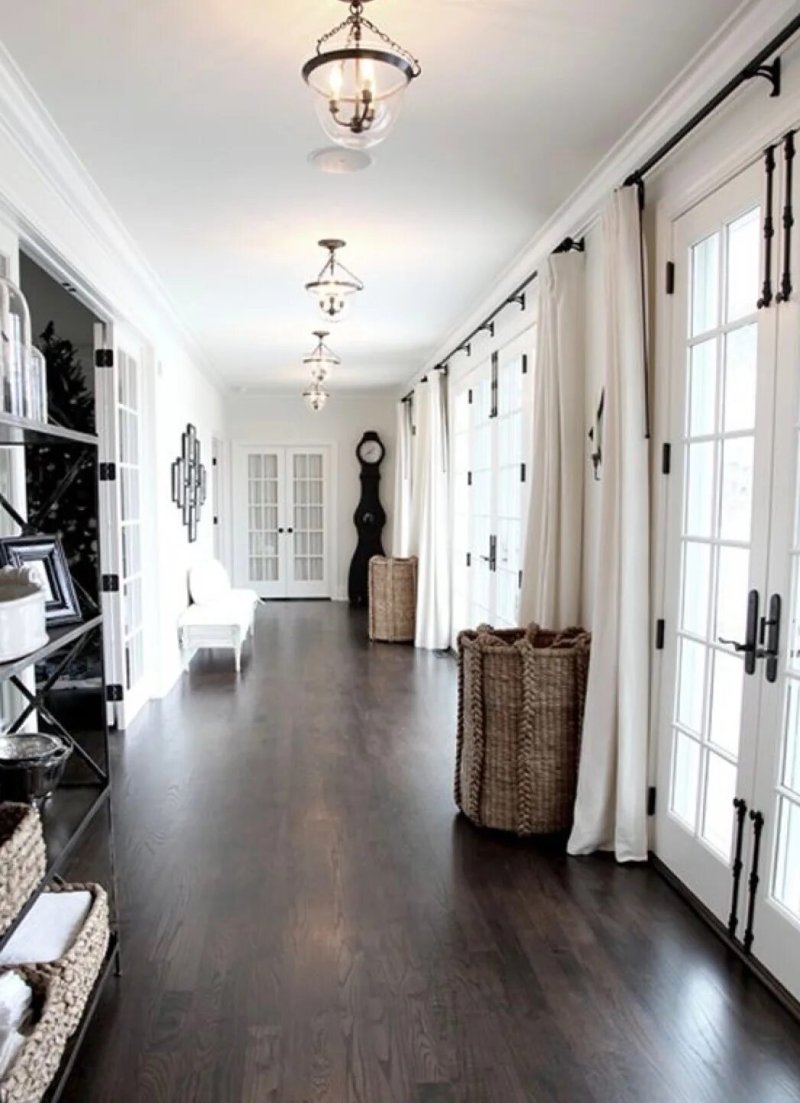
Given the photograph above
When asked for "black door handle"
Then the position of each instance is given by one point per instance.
(280, 531)
(750, 640)
(290, 530)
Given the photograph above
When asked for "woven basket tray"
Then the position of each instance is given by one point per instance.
(392, 599)
(521, 695)
(23, 859)
(62, 988)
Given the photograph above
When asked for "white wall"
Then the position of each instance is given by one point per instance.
(182, 396)
(285, 419)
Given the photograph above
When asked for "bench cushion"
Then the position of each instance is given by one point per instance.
(235, 608)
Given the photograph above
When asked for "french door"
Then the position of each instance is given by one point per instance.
(729, 749)
(282, 521)
(119, 397)
(489, 472)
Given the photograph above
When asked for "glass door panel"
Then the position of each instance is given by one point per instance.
(719, 498)
(259, 542)
(306, 530)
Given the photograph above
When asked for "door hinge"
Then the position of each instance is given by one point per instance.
(109, 583)
(522, 472)
(666, 458)
(216, 520)
(651, 801)
(107, 472)
(524, 363)
(494, 384)
(670, 277)
(213, 461)
(519, 583)
(469, 559)
(469, 397)
(660, 629)
(114, 692)
(104, 358)
(469, 478)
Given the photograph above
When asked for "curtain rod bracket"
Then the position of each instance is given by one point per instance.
(487, 327)
(570, 245)
(518, 299)
(771, 72)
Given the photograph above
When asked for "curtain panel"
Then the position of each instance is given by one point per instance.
(551, 569)
(401, 525)
(611, 806)
(430, 514)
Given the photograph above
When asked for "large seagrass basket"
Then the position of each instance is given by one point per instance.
(392, 599)
(22, 859)
(521, 696)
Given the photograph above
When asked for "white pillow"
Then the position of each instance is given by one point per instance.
(208, 582)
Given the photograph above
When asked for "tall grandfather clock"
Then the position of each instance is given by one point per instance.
(369, 517)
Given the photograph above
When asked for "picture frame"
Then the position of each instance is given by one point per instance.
(45, 556)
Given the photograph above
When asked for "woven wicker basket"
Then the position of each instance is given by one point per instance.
(392, 599)
(23, 859)
(521, 695)
(62, 988)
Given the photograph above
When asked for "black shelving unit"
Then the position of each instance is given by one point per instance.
(85, 791)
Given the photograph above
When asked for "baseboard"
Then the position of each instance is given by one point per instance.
(770, 982)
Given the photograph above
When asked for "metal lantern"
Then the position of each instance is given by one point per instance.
(322, 360)
(359, 76)
(335, 284)
(316, 396)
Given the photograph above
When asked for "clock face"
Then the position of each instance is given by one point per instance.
(370, 451)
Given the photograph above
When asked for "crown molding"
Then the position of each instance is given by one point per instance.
(43, 156)
(750, 27)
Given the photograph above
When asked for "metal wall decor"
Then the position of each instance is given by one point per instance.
(189, 484)
(359, 80)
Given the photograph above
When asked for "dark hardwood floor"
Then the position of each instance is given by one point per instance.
(307, 921)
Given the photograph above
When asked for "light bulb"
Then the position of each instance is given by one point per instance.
(336, 79)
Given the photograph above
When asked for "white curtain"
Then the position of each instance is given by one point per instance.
(610, 811)
(430, 525)
(551, 576)
(401, 528)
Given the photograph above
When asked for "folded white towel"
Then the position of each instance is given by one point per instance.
(16, 998)
(48, 930)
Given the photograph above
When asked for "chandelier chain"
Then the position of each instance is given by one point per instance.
(357, 20)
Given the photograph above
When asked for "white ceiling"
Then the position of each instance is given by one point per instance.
(192, 117)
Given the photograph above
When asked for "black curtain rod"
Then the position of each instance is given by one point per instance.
(757, 67)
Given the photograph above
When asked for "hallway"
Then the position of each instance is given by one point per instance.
(305, 919)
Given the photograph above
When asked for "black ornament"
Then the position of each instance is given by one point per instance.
(189, 481)
(369, 517)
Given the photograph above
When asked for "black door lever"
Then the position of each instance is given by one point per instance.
(749, 647)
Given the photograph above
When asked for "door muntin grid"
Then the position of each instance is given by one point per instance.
(715, 543)
(784, 885)
(509, 491)
(482, 464)
(309, 520)
(129, 429)
(461, 511)
(263, 548)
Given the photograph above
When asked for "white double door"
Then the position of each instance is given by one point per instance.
(282, 520)
(728, 798)
(490, 480)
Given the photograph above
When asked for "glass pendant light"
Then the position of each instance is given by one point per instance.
(359, 76)
(322, 360)
(316, 396)
(335, 284)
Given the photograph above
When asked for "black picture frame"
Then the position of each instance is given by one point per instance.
(189, 482)
(45, 554)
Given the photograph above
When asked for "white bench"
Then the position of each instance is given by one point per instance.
(219, 616)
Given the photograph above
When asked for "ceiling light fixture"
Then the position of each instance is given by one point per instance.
(322, 360)
(335, 284)
(359, 80)
(316, 396)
